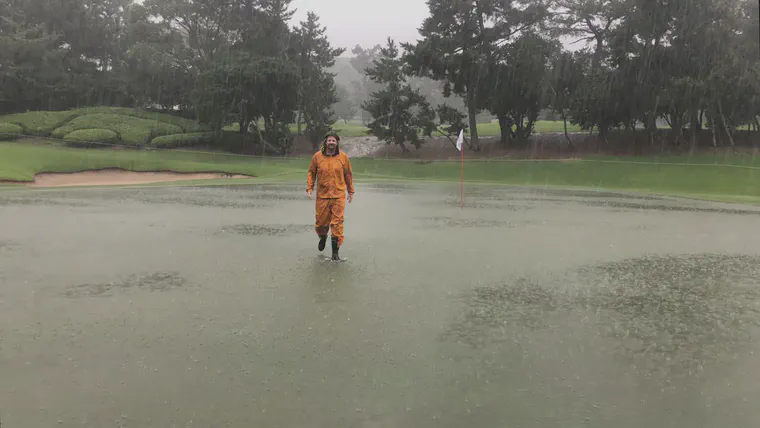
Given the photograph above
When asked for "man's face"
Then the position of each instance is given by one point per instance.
(331, 143)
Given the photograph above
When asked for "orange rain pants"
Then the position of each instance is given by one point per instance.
(334, 178)
(330, 217)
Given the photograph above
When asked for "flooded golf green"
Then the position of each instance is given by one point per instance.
(211, 307)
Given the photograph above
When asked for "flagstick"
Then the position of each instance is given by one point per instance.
(461, 180)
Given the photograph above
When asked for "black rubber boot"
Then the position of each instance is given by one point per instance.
(335, 249)
(322, 242)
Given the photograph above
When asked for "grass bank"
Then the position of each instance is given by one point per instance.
(726, 178)
(20, 162)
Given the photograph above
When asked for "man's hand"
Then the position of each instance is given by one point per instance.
(308, 192)
(350, 197)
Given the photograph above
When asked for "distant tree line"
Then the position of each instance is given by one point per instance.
(694, 63)
(690, 62)
(218, 61)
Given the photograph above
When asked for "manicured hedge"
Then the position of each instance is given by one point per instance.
(182, 140)
(89, 136)
(9, 131)
(132, 130)
(39, 123)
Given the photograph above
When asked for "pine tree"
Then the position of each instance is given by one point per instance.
(400, 114)
(316, 90)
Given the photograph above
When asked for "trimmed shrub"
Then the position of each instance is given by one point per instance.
(87, 137)
(9, 131)
(43, 123)
(182, 140)
(187, 125)
(132, 130)
(39, 123)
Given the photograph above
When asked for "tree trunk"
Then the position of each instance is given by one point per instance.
(298, 121)
(676, 124)
(518, 128)
(472, 112)
(257, 130)
(694, 119)
(528, 130)
(598, 51)
(728, 130)
(693, 143)
(712, 129)
(652, 120)
(504, 129)
(603, 132)
(567, 136)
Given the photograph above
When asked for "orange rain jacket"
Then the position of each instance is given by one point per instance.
(333, 174)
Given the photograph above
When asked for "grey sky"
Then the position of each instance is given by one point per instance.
(365, 22)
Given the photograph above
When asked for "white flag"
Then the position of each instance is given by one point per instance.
(460, 140)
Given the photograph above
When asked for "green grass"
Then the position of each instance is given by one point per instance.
(131, 130)
(21, 161)
(351, 129)
(726, 178)
(673, 176)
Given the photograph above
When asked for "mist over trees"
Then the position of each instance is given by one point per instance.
(604, 65)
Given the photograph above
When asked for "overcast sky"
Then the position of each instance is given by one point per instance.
(365, 22)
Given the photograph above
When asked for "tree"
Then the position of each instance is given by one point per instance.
(564, 82)
(450, 122)
(273, 36)
(363, 59)
(316, 89)
(158, 63)
(247, 89)
(208, 28)
(399, 113)
(31, 71)
(517, 82)
(48, 55)
(345, 108)
(458, 40)
(588, 21)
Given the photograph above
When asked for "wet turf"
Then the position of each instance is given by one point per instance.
(210, 306)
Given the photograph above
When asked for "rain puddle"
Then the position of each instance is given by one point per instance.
(680, 313)
(267, 230)
(159, 281)
(435, 222)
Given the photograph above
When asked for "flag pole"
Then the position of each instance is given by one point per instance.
(460, 147)
(461, 179)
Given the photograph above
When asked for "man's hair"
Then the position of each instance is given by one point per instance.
(323, 146)
(332, 134)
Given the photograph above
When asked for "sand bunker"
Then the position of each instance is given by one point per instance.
(115, 177)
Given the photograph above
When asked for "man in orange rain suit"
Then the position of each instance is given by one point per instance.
(331, 168)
